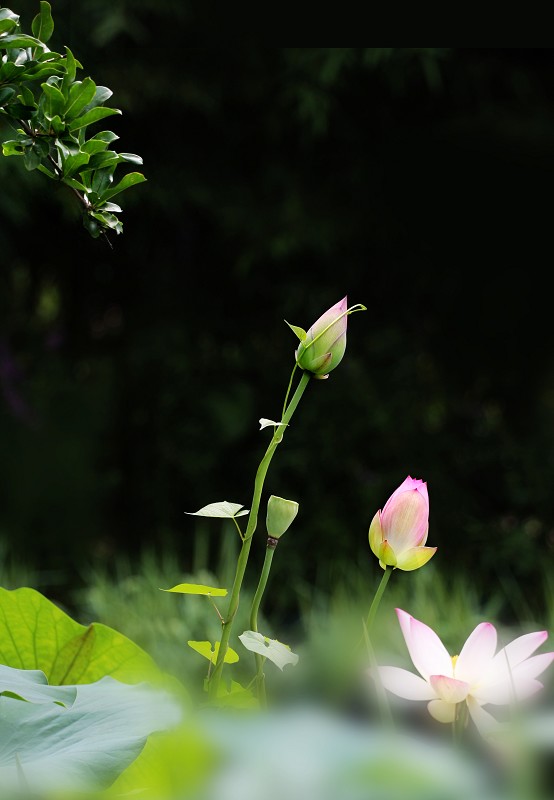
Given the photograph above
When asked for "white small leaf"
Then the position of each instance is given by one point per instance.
(276, 651)
(222, 510)
(267, 423)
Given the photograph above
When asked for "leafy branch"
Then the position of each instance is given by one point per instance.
(50, 112)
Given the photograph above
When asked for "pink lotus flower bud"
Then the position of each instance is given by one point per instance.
(398, 533)
(321, 348)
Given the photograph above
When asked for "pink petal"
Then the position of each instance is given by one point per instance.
(408, 485)
(427, 652)
(448, 689)
(405, 520)
(405, 684)
(477, 653)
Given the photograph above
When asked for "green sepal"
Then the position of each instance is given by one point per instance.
(300, 332)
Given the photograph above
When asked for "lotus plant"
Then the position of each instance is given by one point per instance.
(398, 533)
(475, 678)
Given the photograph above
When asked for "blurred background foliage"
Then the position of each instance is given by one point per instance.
(417, 180)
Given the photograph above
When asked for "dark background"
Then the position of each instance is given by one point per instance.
(415, 180)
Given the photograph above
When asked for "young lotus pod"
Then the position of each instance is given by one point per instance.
(398, 533)
(280, 515)
(322, 347)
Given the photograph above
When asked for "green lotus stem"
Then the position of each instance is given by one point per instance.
(250, 529)
(260, 677)
(382, 699)
(377, 598)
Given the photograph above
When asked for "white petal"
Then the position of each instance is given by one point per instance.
(520, 649)
(427, 652)
(449, 689)
(532, 667)
(502, 694)
(477, 653)
(484, 722)
(442, 711)
(405, 684)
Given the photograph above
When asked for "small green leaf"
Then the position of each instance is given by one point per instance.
(57, 125)
(94, 146)
(5, 13)
(43, 24)
(300, 332)
(56, 101)
(276, 651)
(197, 588)
(222, 510)
(106, 136)
(26, 96)
(9, 71)
(131, 158)
(12, 147)
(112, 207)
(74, 163)
(47, 172)
(101, 180)
(101, 94)
(7, 24)
(108, 221)
(94, 115)
(70, 71)
(6, 93)
(32, 158)
(132, 179)
(211, 652)
(236, 696)
(19, 40)
(80, 94)
(19, 111)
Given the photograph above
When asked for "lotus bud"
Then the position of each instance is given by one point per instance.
(321, 348)
(398, 533)
(280, 515)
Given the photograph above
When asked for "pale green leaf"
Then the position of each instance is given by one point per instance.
(31, 685)
(35, 634)
(197, 588)
(276, 651)
(222, 510)
(83, 748)
(211, 652)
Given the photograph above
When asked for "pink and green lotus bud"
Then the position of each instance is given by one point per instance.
(280, 515)
(322, 347)
(398, 533)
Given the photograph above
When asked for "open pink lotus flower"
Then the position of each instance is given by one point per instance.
(398, 533)
(476, 677)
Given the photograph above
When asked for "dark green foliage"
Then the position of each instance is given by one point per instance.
(51, 110)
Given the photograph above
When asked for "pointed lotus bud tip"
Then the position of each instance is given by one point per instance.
(280, 515)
